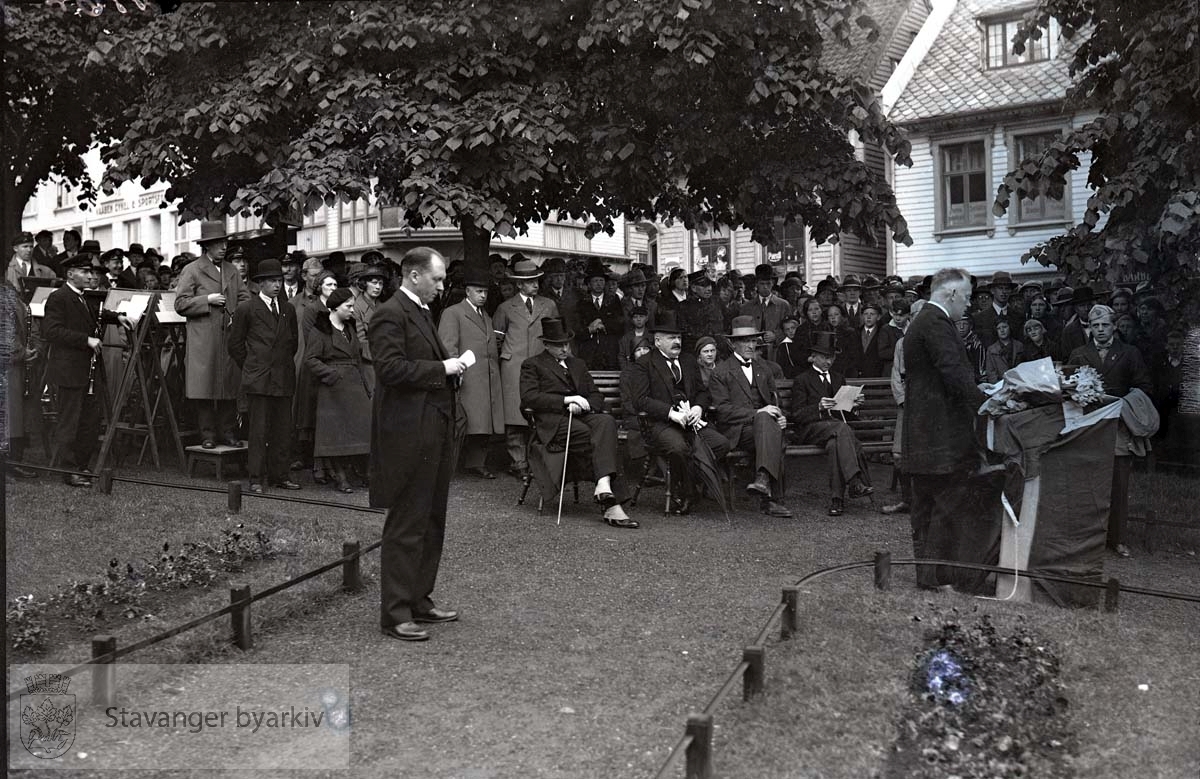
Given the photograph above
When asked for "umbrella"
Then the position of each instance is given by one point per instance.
(709, 470)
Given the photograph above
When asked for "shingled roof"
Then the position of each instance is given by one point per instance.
(952, 79)
(861, 59)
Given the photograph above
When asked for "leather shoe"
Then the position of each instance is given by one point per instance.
(773, 509)
(654, 481)
(606, 500)
(519, 471)
(860, 490)
(836, 507)
(406, 631)
(482, 473)
(896, 508)
(761, 485)
(1123, 551)
(231, 441)
(25, 473)
(618, 522)
(681, 506)
(75, 480)
(208, 443)
(287, 484)
(256, 488)
(435, 616)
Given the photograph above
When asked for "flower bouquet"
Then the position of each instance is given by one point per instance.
(1034, 383)
(1085, 386)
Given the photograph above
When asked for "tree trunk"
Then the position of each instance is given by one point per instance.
(475, 243)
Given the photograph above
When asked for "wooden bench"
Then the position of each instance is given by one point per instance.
(875, 427)
(216, 456)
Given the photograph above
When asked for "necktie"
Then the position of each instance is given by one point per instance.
(866, 337)
(274, 307)
(675, 371)
(529, 306)
(825, 382)
(599, 302)
(563, 363)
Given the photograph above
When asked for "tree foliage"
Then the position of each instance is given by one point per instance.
(61, 93)
(1137, 65)
(490, 117)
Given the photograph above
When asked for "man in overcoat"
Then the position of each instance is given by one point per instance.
(941, 402)
(634, 284)
(599, 322)
(766, 310)
(748, 415)
(263, 339)
(23, 263)
(663, 384)
(412, 440)
(208, 291)
(1001, 288)
(467, 326)
(559, 389)
(518, 323)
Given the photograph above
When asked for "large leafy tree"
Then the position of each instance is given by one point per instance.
(1137, 65)
(61, 93)
(489, 117)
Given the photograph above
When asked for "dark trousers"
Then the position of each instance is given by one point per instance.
(672, 442)
(415, 527)
(941, 507)
(216, 418)
(1118, 507)
(475, 449)
(843, 450)
(75, 437)
(270, 434)
(598, 432)
(765, 438)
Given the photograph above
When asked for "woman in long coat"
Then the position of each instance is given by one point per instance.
(370, 283)
(467, 326)
(343, 400)
(304, 410)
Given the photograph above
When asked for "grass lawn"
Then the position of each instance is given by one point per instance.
(582, 647)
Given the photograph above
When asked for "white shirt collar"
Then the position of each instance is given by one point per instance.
(75, 289)
(266, 299)
(524, 298)
(943, 308)
(413, 297)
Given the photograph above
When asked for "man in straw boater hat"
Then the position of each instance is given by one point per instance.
(818, 424)
(571, 415)
(263, 339)
(518, 324)
(466, 326)
(206, 294)
(747, 412)
(665, 385)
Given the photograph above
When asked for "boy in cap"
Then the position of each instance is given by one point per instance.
(262, 341)
(818, 424)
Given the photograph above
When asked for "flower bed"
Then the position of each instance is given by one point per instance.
(982, 704)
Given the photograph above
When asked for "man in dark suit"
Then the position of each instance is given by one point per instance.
(116, 276)
(1074, 332)
(1123, 370)
(263, 339)
(745, 399)
(700, 314)
(293, 285)
(72, 329)
(412, 440)
(634, 285)
(553, 383)
(665, 385)
(851, 291)
(766, 309)
(600, 321)
(1000, 289)
(818, 424)
(941, 401)
(866, 348)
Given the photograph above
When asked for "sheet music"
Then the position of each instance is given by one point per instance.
(843, 399)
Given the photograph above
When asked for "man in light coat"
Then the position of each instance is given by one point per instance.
(467, 326)
(518, 321)
(208, 292)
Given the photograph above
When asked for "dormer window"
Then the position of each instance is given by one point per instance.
(998, 37)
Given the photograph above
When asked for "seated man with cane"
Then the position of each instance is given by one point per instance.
(570, 413)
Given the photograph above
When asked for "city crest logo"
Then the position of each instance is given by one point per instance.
(47, 716)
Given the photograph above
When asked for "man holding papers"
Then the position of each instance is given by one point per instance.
(821, 404)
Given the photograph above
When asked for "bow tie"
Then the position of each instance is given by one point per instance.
(824, 376)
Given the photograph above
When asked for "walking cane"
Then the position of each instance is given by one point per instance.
(566, 455)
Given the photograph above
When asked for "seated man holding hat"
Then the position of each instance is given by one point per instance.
(559, 389)
(744, 396)
(818, 424)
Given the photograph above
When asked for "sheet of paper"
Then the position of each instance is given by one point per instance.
(134, 307)
(843, 399)
(468, 358)
(37, 309)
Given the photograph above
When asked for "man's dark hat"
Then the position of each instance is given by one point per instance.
(893, 279)
(296, 258)
(136, 248)
(152, 253)
(829, 282)
(824, 343)
(80, 260)
(871, 283)
(638, 311)
(554, 331)
(665, 322)
(595, 270)
(267, 269)
(744, 327)
(212, 230)
(90, 246)
(633, 277)
(554, 265)
(851, 281)
(699, 279)
(477, 277)
(236, 252)
(23, 237)
(1083, 294)
(764, 272)
(1000, 279)
(334, 258)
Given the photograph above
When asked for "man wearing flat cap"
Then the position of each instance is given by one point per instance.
(23, 263)
(765, 309)
(599, 322)
(209, 289)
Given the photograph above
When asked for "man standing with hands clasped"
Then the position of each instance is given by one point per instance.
(412, 440)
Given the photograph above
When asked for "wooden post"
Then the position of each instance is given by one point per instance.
(240, 616)
(1112, 594)
(787, 623)
(351, 566)
(106, 480)
(104, 673)
(699, 752)
(752, 680)
(883, 570)
(235, 496)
